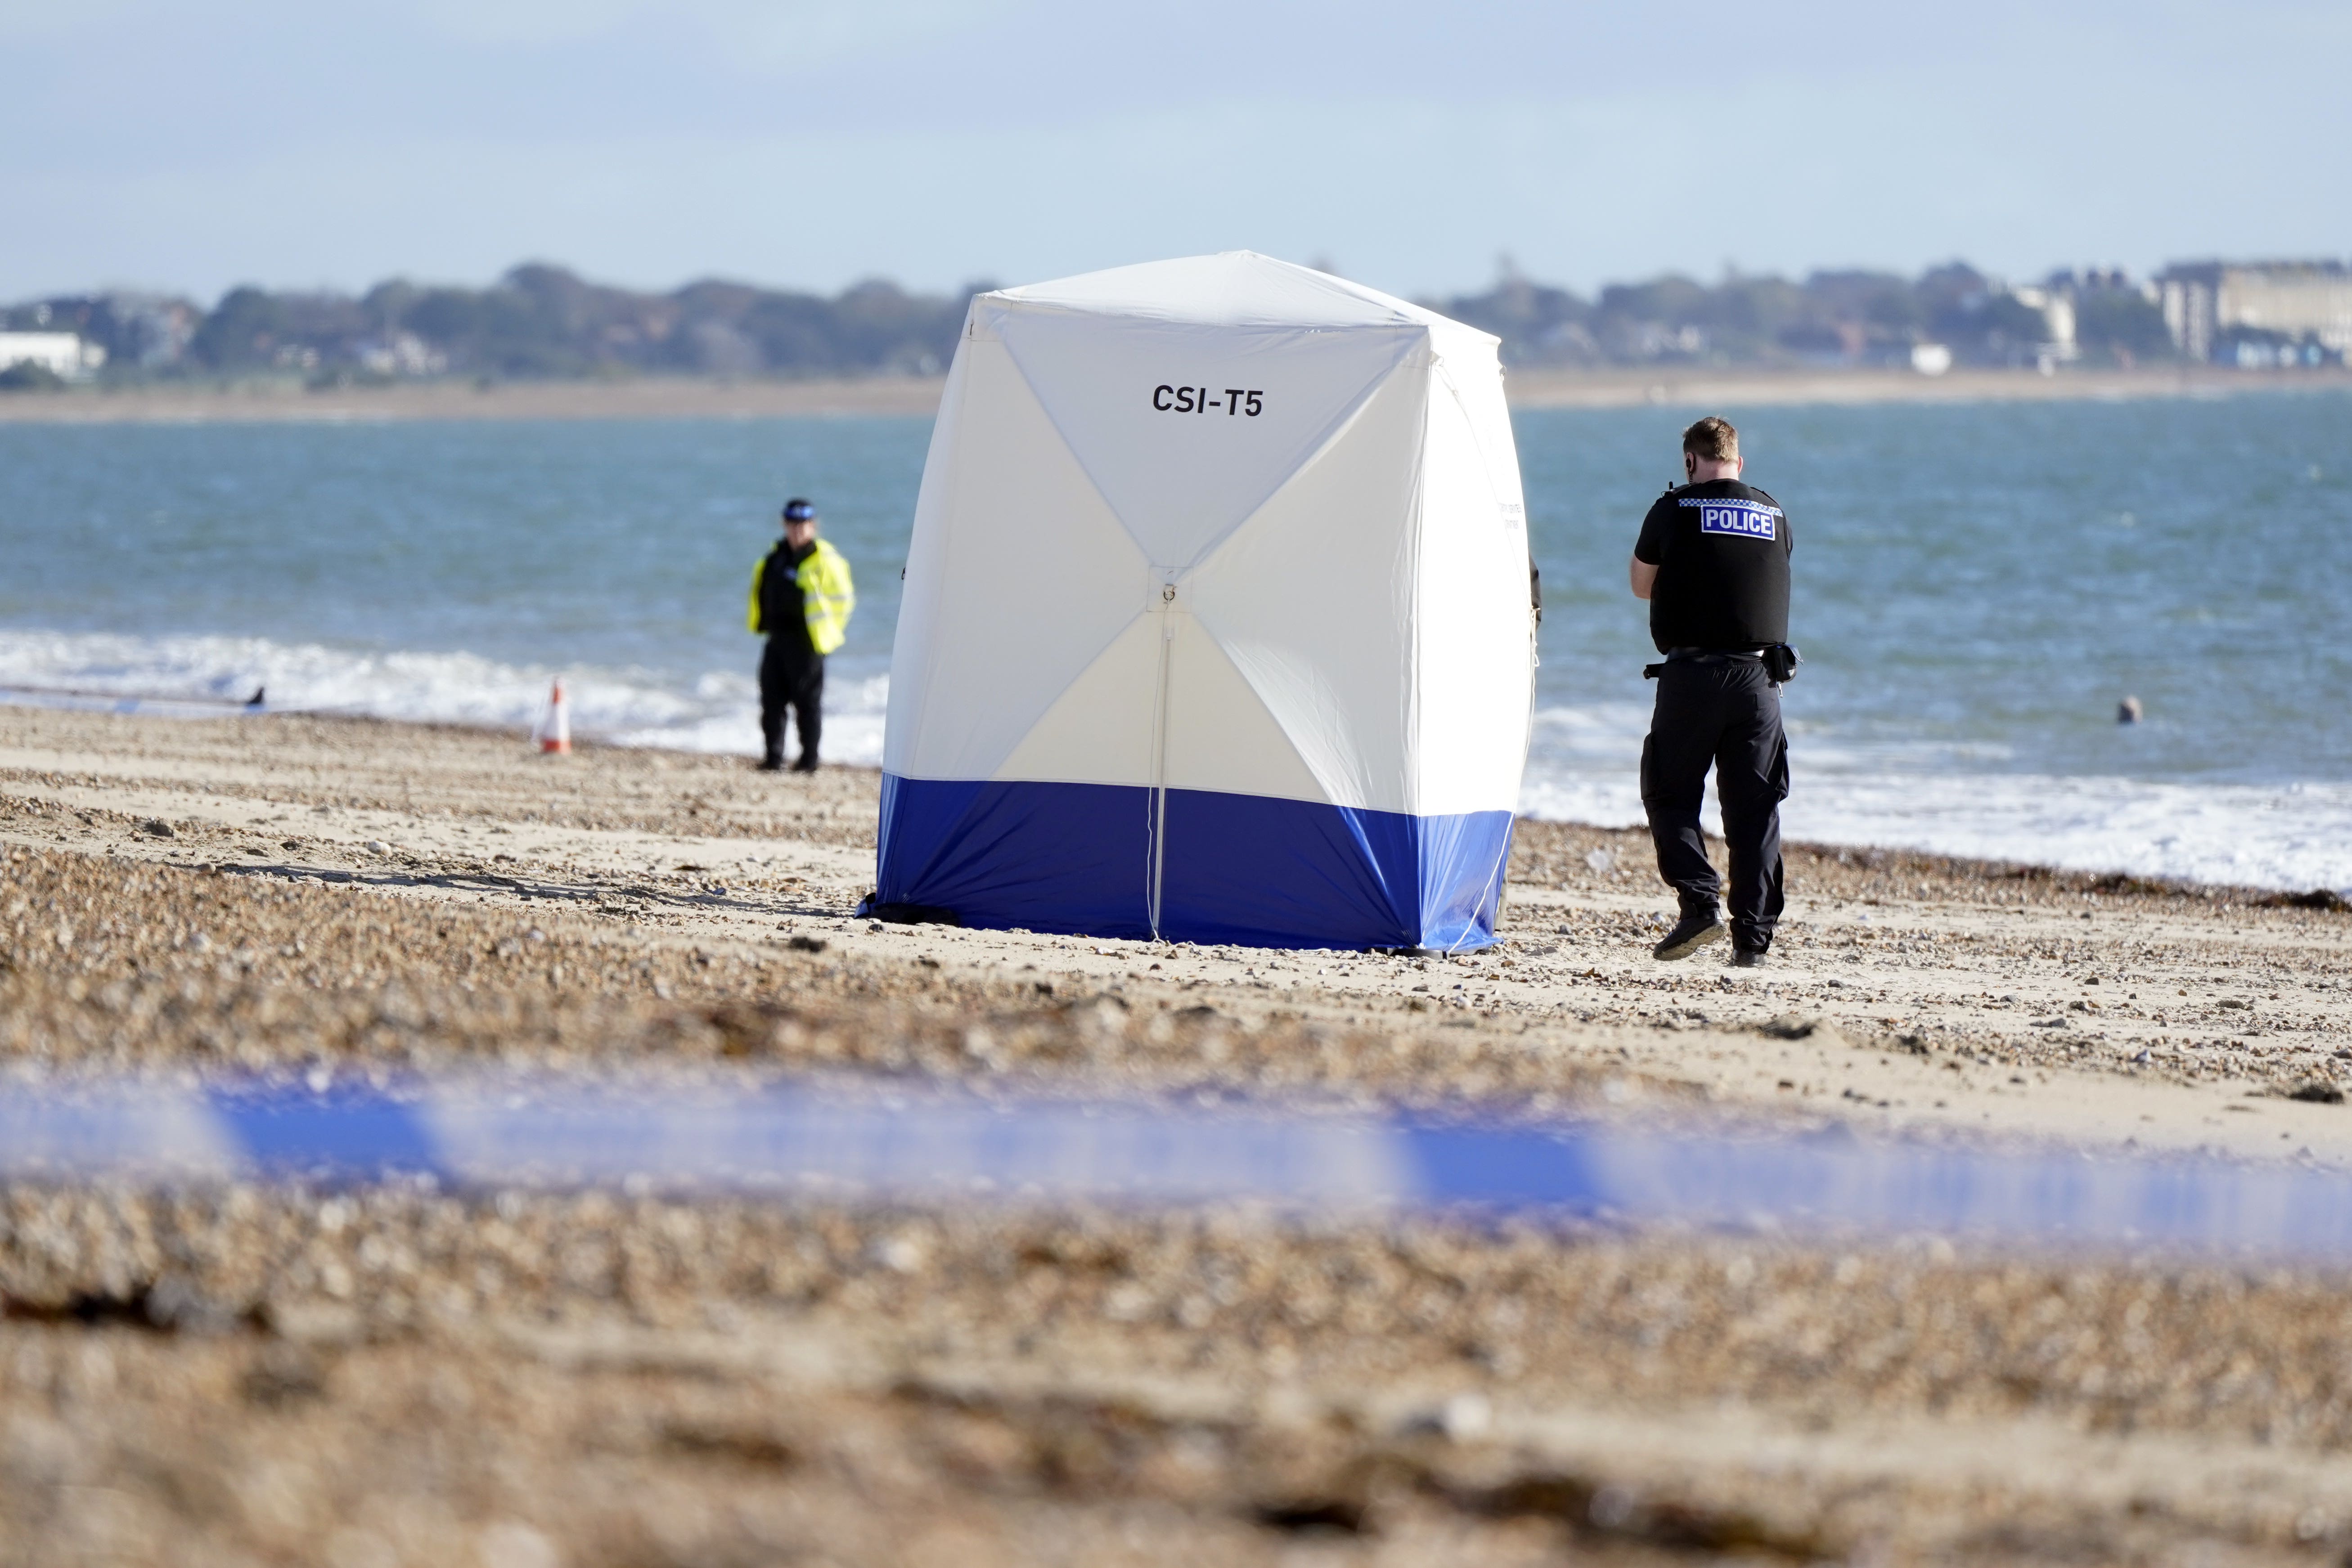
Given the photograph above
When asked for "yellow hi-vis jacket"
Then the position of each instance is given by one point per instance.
(827, 596)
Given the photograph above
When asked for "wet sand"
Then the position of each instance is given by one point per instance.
(407, 1376)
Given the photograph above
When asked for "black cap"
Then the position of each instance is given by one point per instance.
(797, 509)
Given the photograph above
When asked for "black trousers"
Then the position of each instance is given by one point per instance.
(791, 677)
(1722, 713)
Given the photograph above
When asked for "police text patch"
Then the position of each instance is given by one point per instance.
(1744, 519)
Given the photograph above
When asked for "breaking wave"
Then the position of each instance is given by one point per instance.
(1582, 766)
(190, 675)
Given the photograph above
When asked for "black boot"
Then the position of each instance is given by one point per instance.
(1690, 934)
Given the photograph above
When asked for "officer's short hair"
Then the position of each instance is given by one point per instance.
(1712, 440)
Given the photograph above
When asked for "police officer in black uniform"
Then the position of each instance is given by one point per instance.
(1713, 561)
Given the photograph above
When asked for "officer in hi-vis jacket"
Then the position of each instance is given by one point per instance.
(801, 600)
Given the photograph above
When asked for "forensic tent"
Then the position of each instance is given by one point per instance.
(1216, 623)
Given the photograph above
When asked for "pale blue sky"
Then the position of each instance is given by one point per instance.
(806, 142)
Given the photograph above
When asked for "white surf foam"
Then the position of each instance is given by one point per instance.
(853, 720)
(1585, 768)
(719, 712)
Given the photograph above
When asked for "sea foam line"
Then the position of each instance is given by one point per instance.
(195, 675)
(2293, 836)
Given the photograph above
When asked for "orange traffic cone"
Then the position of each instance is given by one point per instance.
(555, 723)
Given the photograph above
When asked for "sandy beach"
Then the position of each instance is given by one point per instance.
(681, 397)
(405, 1375)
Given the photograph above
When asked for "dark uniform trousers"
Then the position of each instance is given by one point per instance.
(1719, 712)
(791, 676)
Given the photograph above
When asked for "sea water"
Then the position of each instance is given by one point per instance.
(1977, 586)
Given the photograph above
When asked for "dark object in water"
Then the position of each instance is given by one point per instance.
(254, 701)
(2128, 711)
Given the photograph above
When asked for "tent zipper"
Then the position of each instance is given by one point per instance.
(1157, 874)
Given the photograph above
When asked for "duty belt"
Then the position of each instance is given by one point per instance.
(1687, 654)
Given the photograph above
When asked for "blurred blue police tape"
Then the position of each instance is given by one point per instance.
(844, 1142)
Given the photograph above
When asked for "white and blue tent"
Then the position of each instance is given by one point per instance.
(1216, 622)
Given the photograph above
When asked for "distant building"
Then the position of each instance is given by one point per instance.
(151, 330)
(2057, 308)
(2267, 312)
(400, 353)
(60, 354)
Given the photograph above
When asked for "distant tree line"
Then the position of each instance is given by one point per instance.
(537, 323)
(544, 322)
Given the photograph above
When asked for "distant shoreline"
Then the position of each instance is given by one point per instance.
(646, 398)
(663, 397)
(1732, 387)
